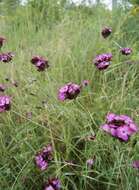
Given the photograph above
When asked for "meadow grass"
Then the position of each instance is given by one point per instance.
(70, 45)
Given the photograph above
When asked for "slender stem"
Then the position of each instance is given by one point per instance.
(117, 44)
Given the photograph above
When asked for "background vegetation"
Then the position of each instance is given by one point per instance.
(70, 37)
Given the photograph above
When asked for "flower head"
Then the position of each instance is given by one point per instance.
(6, 57)
(103, 65)
(5, 103)
(135, 164)
(106, 31)
(102, 61)
(43, 157)
(53, 184)
(2, 40)
(69, 91)
(103, 57)
(40, 63)
(119, 126)
(90, 162)
(85, 83)
(126, 51)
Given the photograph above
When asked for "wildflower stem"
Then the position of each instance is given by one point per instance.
(117, 44)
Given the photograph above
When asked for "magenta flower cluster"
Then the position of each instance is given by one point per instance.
(119, 126)
(43, 157)
(102, 61)
(126, 51)
(42, 160)
(6, 57)
(53, 184)
(106, 31)
(5, 103)
(69, 91)
(40, 63)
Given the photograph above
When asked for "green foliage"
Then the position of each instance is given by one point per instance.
(47, 10)
(9, 6)
(135, 2)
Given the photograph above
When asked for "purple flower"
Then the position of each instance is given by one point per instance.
(102, 61)
(5, 103)
(43, 157)
(53, 184)
(2, 40)
(69, 91)
(103, 57)
(103, 65)
(126, 51)
(120, 126)
(40, 63)
(106, 31)
(90, 162)
(135, 164)
(6, 57)
(2, 88)
(85, 83)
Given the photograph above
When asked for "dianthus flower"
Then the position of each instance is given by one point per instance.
(102, 61)
(2, 40)
(106, 31)
(69, 91)
(5, 103)
(6, 57)
(119, 126)
(40, 63)
(53, 184)
(43, 157)
(126, 51)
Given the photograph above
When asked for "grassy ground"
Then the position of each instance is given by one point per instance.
(70, 46)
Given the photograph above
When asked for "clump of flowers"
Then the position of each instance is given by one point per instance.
(106, 31)
(2, 40)
(43, 157)
(120, 126)
(53, 184)
(69, 91)
(102, 61)
(6, 57)
(126, 51)
(40, 63)
(135, 164)
(5, 103)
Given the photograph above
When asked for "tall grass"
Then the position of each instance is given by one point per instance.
(70, 45)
